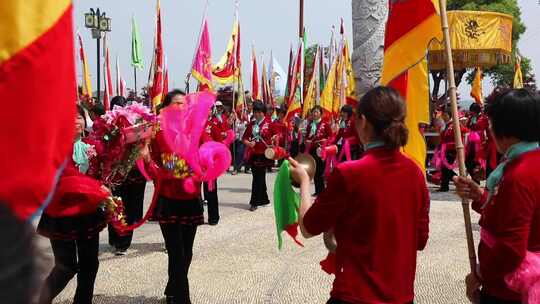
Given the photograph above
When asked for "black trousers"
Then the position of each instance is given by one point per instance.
(447, 174)
(133, 197)
(72, 257)
(238, 154)
(211, 198)
(319, 173)
(179, 243)
(259, 195)
(487, 299)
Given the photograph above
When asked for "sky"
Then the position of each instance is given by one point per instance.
(271, 26)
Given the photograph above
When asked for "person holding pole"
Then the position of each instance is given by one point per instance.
(378, 230)
(510, 204)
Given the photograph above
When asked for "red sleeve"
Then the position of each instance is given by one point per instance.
(423, 218)
(328, 207)
(477, 205)
(155, 149)
(248, 132)
(513, 215)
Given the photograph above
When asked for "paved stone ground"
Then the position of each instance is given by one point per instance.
(237, 261)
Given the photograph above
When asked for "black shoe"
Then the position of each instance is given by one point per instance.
(443, 189)
(213, 223)
(252, 208)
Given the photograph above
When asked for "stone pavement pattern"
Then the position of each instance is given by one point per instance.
(238, 261)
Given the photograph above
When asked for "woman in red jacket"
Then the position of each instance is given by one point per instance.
(257, 137)
(377, 208)
(510, 205)
(178, 208)
(72, 222)
(317, 134)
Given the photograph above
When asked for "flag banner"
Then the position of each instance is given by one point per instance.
(39, 91)
(518, 77)
(411, 27)
(311, 93)
(227, 69)
(202, 62)
(477, 39)
(136, 46)
(476, 91)
(254, 76)
(156, 89)
(87, 83)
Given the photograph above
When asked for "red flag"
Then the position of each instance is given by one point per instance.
(410, 28)
(37, 134)
(107, 78)
(166, 82)
(156, 89)
(254, 76)
(294, 95)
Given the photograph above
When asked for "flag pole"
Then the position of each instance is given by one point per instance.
(135, 79)
(457, 132)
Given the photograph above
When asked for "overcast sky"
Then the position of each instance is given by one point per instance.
(269, 25)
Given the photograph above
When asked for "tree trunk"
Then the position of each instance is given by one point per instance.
(369, 23)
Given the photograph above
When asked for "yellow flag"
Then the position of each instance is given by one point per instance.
(328, 93)
(518, 77)
(476, 91)
(350, 92)
(417, 111)
(311, 94)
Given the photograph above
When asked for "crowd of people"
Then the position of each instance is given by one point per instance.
(377, 230)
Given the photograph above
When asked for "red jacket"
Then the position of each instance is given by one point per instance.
(323, 133)
(348, 132)
(280, 129)
(215, 129)
(172, 171)
(378, 207)
(512, 217)
(265, 135)
(447, 136)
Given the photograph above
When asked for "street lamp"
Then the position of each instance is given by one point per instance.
(98, 23)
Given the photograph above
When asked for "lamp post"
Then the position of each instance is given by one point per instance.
(98, 23)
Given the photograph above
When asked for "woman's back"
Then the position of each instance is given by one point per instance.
(379, 213)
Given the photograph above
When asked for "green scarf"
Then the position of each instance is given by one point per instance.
(513, 152)
(286, 204)
(80, 155)
(256, 132)
(374, 144)
(313, 129)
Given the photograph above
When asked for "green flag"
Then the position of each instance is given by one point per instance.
(286, 204)
(136, 49)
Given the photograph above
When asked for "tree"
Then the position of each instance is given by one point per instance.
(503, 74)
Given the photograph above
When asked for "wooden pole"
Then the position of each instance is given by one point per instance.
(135, 79)
(301, 21)
(457, 132)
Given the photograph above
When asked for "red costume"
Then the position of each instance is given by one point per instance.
(171, 172)
(262, 140)
(317, 138)
(512, 219)
(216, 128)
(378, 231)
(280, 130)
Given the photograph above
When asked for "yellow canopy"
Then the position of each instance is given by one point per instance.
(479, 39)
